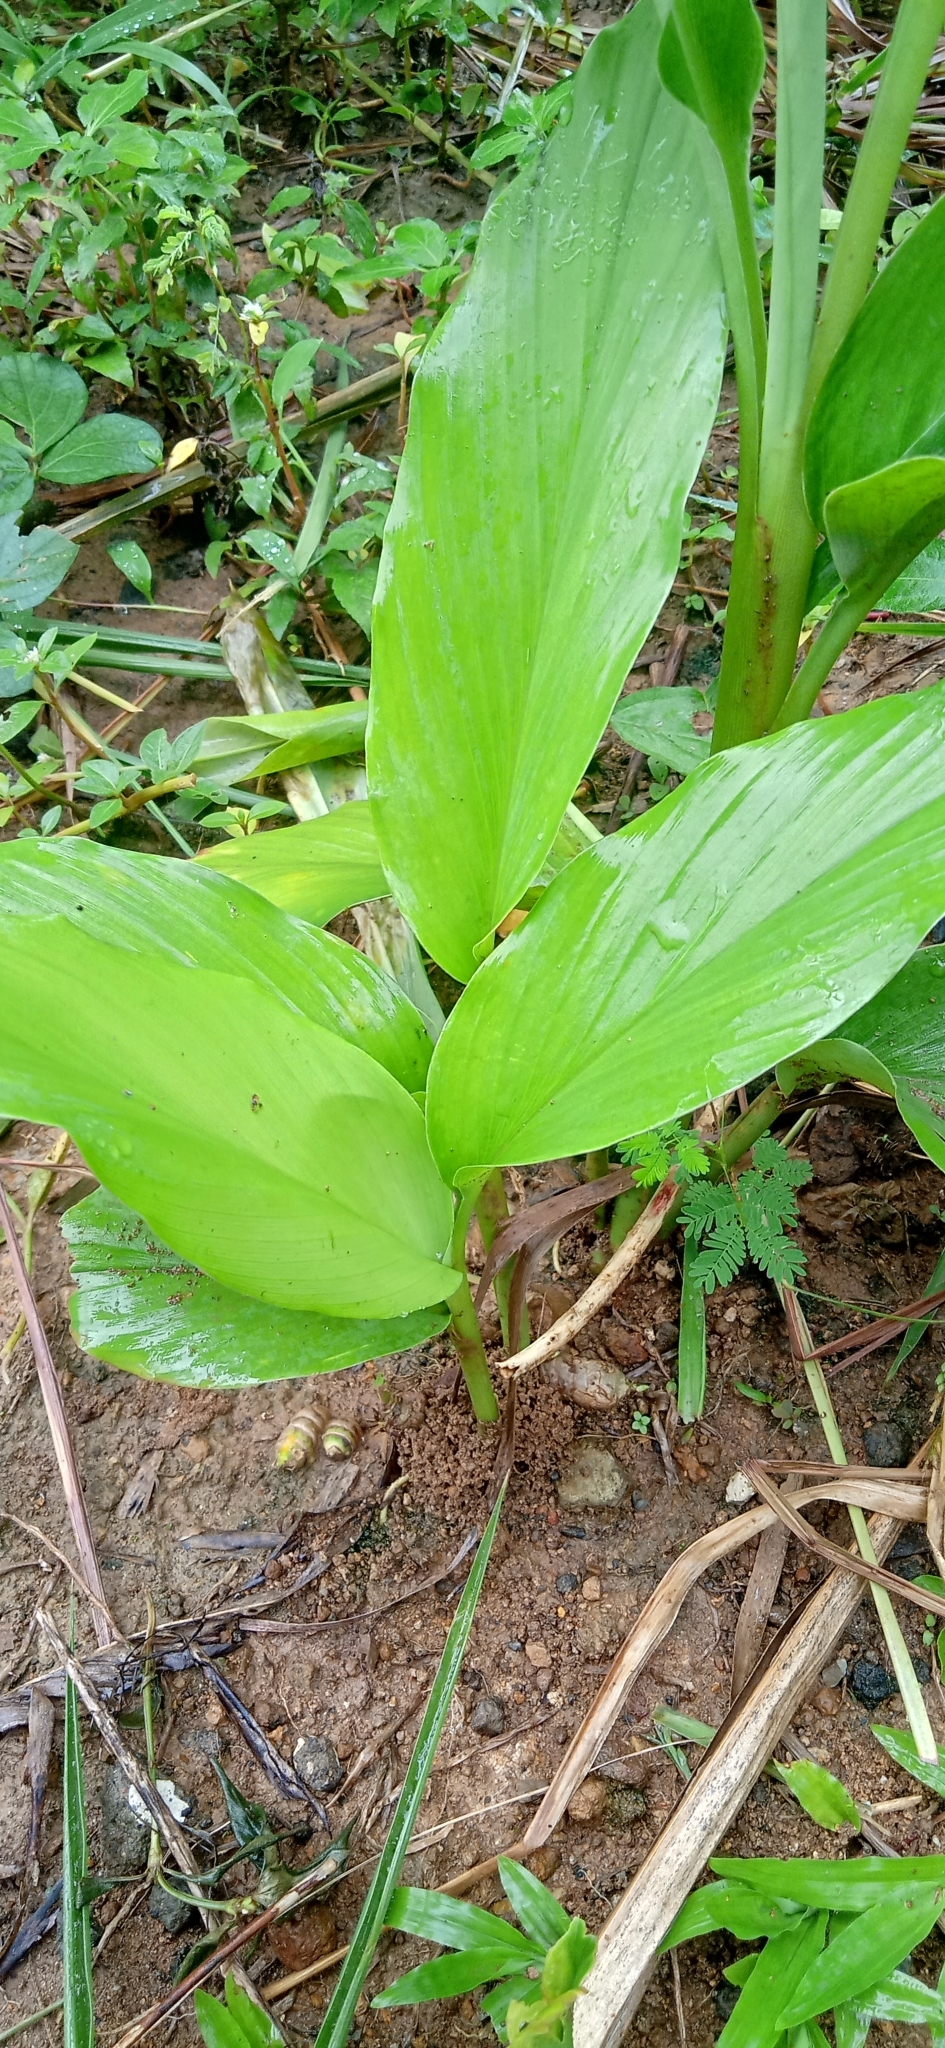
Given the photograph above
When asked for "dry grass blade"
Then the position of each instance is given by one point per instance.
(710, 1802)
(859, 1493)
(756, 1605)
(605, 1286)
(42, 1721)
(59, 1431)
(935, 1519)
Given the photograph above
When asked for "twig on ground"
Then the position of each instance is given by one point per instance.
(59, 1430)
(590, 1303)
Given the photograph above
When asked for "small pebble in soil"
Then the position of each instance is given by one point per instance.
(887, 1443)
(317, 1764)
(870, 1684)
(473, 1678)
(589, 1800)
(174, 1914)
(666, 1337)
(739, 1490)
(835, 1673)
(537, 1656)
(639, 1502)
(591, 1589)
(567, 1582)
(591, 1478)
(488, 1717)
(726, 1999)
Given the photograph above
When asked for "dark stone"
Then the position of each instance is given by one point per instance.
(639, 1502)
(317, 1764)
(567, 1582)
(174, 1914)
(125, 1841)
(666, 1337)
(887, 1443)
(726, 1999)
(473, 1678)
(870, 1684)
(921, 1670)
(515, 1645)
(488, 1717)
(582, 1533)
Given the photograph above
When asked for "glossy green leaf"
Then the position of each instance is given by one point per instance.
(684, 955)
(138, 1306)
(78, 1993)
(659, 722)
(861, 1955)
(851, 2024)
(540, 1913)
(335, 2027)
(921, 587)
(16, 478)
(556, 423)
(195, 918)
(745, 1912)
(691, 1361)
(783, 1963)
(262, 1148)
(314, 870)
(712, 58)
(111, 444)
(42, 395)
(32, 565)
(883, 397)
(132, 562)
(568, 1961)
(906, 1999)
(897, 1043)
(877, 525)
(237, 2024)
(820, 1793)
(450, 1976)
(455, 1923)
(899, 1743)
(831, 1885)
(232, 749)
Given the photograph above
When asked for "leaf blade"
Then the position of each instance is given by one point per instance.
(312, 870)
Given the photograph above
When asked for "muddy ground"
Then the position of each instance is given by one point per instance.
(339, 1661)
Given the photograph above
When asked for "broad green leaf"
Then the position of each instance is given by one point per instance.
(454, 1923)
(335, 2027)
(197, 919)
(42, 395)
(557, 419)
(449, 1976)
(861, 1955)
(353, 584)
(540, 1913)
(32, 565)
(831, 1885)
(659, 722)
(904, 1998)
(877, 525)
(899, 1743)
(294, 371)
(496, 2005)
(897, 1043)
(78, 1993)
(883, 397)
(851, 2024)
(820, 1793)
(739, 1973)
(232, 749)
(138, 1306)
(784, 1961)
(33, 135)
(568, 1961)
(921, 587)
(262, 1148)
(237, 2024)
(109, 445)
(133, 563)
(314, 870)
(108, 102)
(745, 1912)
(712, 59)
(684, 955)
(16, 478)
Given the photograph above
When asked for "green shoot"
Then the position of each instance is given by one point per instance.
(655, 1152)
(749, 1219)
(78, 1995)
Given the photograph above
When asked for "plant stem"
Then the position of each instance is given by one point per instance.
(918, 24)
(838, 628)
(492, 1210)
(464, 1324)
(782, 507)
(135, 801)
(909, 1687)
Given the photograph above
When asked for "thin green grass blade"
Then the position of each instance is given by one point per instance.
(78, 1996)
(691, 1361)
(917, 1330)
(333, 2031)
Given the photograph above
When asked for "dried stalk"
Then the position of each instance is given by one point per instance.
(105, 1628)
(630, 1940)
(600, 1291)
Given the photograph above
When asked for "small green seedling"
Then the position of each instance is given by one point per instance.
(538, 1973)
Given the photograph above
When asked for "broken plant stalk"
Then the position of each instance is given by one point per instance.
(802, 1345)
(589, 1304)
